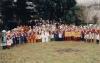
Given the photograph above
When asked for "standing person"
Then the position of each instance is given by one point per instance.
(92, 37)
(66, 34)
(89, 36)
(97, 38)
(33, 37)
(38, 37)
(14, 39)
(29, 35)
(60, 36)
(56, 35)
(25, 37)
(9, 39)
(82, 35)
(52, 36)
(86, 36)
(9, 42)
(22, 37)
(17, 37)
(4, 39)
(43, 36)
(46, 36)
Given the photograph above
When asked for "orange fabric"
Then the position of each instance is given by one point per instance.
(29, 39)
(33, 38)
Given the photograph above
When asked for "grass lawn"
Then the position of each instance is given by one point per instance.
(52, 52)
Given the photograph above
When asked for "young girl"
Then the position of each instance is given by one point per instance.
(9, 42)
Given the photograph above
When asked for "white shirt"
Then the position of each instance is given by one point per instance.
(9, 42)
(52, 35)
(60, 35)
(97, 36)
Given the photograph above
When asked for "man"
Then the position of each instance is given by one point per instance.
(4, 39)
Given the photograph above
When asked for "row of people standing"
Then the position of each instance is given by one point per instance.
(48, 33)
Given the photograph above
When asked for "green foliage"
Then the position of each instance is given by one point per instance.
(95, 19)
(54, 9)
(75, 15)
(46, 9)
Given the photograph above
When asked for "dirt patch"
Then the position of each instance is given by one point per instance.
(6, 57)
(68, 50)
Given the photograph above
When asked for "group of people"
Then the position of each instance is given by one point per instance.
(48, 33)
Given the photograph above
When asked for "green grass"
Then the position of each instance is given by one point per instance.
(52, 52)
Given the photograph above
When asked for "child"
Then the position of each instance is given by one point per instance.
(9, 42)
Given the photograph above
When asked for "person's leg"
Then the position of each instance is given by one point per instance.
(71, 38)
(86, 40)
(47, 39)
(4, 47)
(17, 40)
(14, 42)
(61, 39)
(25, 39)
(20, 40)
(34, 40)
(29, 40)
(8, 46)
(43, 39)
(79, 38)
(97, 41)
(65, 38)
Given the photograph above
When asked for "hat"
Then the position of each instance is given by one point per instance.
(3, 30)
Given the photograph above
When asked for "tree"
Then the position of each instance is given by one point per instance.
(95, 19)
(80, 13)
(54, 9)
(21, 11)
(7, 13)
(46, 9)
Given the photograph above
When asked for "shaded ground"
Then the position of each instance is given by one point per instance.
(52, 52)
